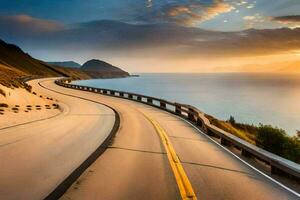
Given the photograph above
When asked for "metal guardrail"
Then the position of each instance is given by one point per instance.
(278, 164)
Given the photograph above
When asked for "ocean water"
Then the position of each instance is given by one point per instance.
(251, 98)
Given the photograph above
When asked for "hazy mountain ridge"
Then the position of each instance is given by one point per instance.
(96, 67)
(71, 64)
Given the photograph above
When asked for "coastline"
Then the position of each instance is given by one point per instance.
(245, 131)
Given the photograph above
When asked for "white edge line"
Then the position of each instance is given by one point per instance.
(246, 163)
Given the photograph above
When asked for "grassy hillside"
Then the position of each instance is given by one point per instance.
(242, 131)
(74, 73)
(13, 57)
(9, 73)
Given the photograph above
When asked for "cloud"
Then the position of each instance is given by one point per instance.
(252, 20)
(287, 19)
(149, 4)
(27, 24)
(190, 14)
(291, 21)
(166, 40)
(249, 17)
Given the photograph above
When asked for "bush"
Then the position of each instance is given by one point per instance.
(276, 140)
(3, 105)
(27, 87)
(2, 93)
(291, 149)
(231, 120)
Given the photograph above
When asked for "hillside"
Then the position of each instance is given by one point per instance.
(70, 64)
(96, 68)
(15, 64)
(13, 57)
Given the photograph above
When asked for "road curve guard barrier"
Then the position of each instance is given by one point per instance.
(278, 165)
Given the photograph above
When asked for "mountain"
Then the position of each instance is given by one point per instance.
(70, 64)
(96, 68)
(12, 56)
(16, 64)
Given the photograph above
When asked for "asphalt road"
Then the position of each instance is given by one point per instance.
(135, 166)
(36, 157)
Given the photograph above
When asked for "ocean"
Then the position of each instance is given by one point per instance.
(250, 98)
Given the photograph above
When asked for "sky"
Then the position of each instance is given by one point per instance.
(159, 35)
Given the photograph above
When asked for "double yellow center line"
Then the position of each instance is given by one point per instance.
(184, 185)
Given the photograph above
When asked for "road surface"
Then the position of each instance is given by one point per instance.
(136, 166)
(36, 157)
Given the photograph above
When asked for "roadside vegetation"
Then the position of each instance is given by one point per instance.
(3, 105)
(272, 139)
(2, 92)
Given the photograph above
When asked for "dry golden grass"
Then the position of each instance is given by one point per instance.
(228, 127)
(2, 92)
(9, 77)
(73, 73)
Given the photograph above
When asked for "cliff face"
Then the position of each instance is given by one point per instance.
(100, 69)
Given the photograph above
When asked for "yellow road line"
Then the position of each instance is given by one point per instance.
(184, 185)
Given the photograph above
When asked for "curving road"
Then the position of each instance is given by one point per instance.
(135, 166)
(36, 157)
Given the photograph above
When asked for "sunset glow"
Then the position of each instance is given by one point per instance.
(158, 36)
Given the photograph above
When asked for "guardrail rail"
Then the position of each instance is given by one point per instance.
(278, 164)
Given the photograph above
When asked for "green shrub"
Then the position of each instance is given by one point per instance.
(291, 149)
(276, 140)
(231, 120)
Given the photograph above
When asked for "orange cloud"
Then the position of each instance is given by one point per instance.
(196, 13)
(26, 22)
(291, 21)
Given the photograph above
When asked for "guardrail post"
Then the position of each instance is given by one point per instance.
(139, 98)
(149, 100)
(190, 115)
(162, 104)
(121, 94)
(130, 96)
(246, 153)
(199, 122)
(210, 133)
(275, 170)
(178, 109)
(225, 142)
